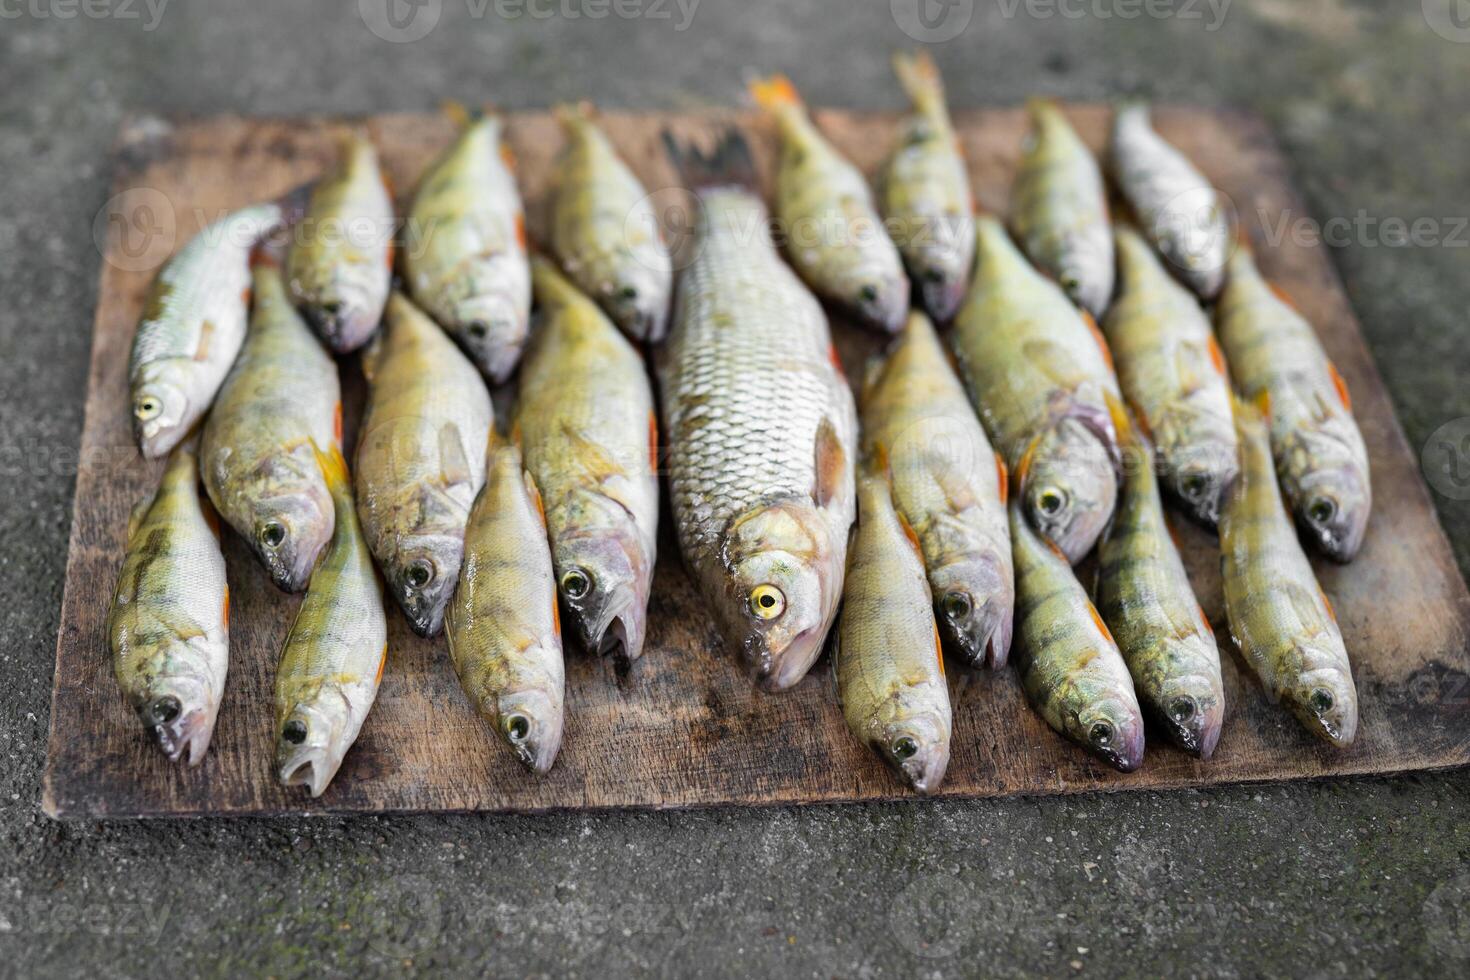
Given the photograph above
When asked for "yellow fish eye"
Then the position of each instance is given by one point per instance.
(1051, 501)
(767, 602)
(147, 408)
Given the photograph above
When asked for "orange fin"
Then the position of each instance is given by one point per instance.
(382, 663)
(1102, 627)
(333, 466)
(521, 237)
(938, 650)
(1280, 294)
(1205, 620)
(337, 423)
(1328, 603)
(652, 441)
(1018, 476)
(1003, 480)
(1097, 335)
(224, 614)
(1217, 356)
(774, 93)
(908, 532)
(206, 332)
(1263, 403)
(831, 464)
(1341, 386)
(1141, 420)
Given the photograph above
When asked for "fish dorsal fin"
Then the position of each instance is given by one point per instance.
(454, 466)
(831, 464)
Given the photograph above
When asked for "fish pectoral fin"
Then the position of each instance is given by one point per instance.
(206, 333)
(957, 491)
(1307, 605)
(832, 467)
(1052, 361)
(454, 465)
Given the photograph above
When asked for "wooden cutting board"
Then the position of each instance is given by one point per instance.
(687, 729)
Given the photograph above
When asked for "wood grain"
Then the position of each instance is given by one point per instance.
(687, 728)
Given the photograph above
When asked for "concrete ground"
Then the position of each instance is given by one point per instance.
(1365, 877)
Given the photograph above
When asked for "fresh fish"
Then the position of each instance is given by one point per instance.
(465, 245)
(169, 625)
(890, 671)
(1070, 666)
(1061, 209)
(761, 431)
(1041, 377)
(279, 405)
(1279, 616)
(950, 487)
(1144, 595)
(1279, 365)
(606, 232)
(831, 227)
(420, 460)
(1182, 215)
(192, 327)
(587, 426)
(1173, 375)
(334, 656)
(926, 193)
(341, 260)
(504, 635)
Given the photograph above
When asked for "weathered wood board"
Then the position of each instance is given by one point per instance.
(687, 728)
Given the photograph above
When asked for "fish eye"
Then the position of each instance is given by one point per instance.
(628, 293)
(868, 293)
(294, 731)
(420, 573)
(478, 329)
(1321, 701)
(767, 602)
(1181, 709)
(517, 727)
(1050, 501)
(576, 583)
(1194, 485)
(956, 605)
(904, 747)
(147, 408)
(1070, 282)
(1101, 733)
(331, 307)
(272, 533)
(1321, 510)
(934, 275)
(164, 710)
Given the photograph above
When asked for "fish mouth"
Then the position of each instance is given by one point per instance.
(342, 325)
(1200, 733)
(984, 641)
(781, 671)
(308, 765)
(186, 737)
(941, 297)
(1127, 754)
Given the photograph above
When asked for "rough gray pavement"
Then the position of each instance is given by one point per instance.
(1371, 102)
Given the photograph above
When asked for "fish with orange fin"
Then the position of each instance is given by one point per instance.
(1279, 365)
(834, 237)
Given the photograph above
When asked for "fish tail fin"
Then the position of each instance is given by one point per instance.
(728, 164)
(920, 79)
(463, 116)
(774, 93)
(572, 115)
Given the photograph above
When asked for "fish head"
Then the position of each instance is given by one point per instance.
(1200, 476)
(941, 271)
(1086, 272)
(344, 316)
(312, 738)
(161, 412)
(492, 329)
(529, 721)
(602, 576)
(783, 583)
(638, 300)
(974, 599)
(1190, 707)
(178, 701)
(916, 745)
(422, 577)
(1324, 698)
(1111, 728)
(880, 298)
(1069, 487)
(292, 522)
(1332, 505)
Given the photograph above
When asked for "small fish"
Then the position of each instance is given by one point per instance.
(341, 261)
(606, 232)
(1041, 376)
(1182, 215)
(1061, 209)
(1173, 375)
(420, 459)
(465, 247)
(761, 430)
(587, 426)
(169, 625)
(334, 656)
(926, 193)
(834, 237)
(192, 327)
(1070, 667)
(950, 487)
(279, 405)
(890, 670)
(1279, 366)
(1144, 595)
(1279, 616)
(504, 635)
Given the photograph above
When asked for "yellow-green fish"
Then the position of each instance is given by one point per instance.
(832, 231)
(949, 485)
(1173, 376)
(1144, 595)
(1181, 214)
(761, 431)
(1279, 616)
(169, 625)
(1070, 666)
(280, 404)
(1041, 376)
(1279, 366)
(890, 671)
(504, 635)
(192, 327)
(341, 257)
(587, 426)
(606, 232)
(926, 193)
(1060, 211)
(334, 656)
(465, 248)
(420, 459)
